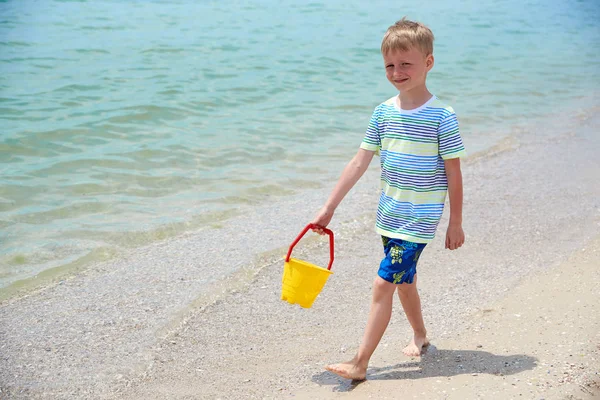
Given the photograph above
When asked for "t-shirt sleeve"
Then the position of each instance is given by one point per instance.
(449, 140)
(372, 140)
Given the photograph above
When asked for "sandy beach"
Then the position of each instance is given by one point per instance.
(512, 314)
(533, 344)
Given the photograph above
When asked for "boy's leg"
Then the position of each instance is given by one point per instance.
(379, 318)
(411, 303)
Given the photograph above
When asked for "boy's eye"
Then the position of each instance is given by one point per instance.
(405, 64)
(389, 66)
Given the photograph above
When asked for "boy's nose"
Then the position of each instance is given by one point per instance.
(397, 72)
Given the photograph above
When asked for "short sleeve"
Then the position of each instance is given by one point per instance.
(449, 140)
(372, 140)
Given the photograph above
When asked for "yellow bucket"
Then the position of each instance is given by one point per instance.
(302, 281)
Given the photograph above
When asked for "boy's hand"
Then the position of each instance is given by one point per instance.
(322, 219)
(455, 237)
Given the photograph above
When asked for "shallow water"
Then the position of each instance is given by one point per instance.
(128, 123)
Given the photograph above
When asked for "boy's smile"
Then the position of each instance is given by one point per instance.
(407, 70)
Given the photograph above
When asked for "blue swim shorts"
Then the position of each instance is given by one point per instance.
(400, 262)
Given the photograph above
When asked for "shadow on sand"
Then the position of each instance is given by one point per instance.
(437, 363)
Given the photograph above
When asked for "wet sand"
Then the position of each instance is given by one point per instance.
(147, 327)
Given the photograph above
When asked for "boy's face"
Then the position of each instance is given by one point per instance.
(407, 70)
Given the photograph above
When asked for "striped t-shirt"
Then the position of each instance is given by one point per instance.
(413, 145)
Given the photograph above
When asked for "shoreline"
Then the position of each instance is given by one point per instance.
(138, 330)
(506, 141)
(53, 276)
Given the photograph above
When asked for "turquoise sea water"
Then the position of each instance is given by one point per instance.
(124, 123)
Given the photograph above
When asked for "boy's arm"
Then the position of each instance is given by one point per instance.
(350, 175)
(455, 236)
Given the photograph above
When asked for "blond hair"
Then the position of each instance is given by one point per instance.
(405, 35)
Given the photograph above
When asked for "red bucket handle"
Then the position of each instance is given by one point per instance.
(312, 226)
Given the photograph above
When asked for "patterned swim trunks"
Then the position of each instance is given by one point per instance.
(400, 262)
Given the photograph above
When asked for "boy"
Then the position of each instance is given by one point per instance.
(419, 144)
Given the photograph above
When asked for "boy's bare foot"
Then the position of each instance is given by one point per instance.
(416, 346)
(348, 370)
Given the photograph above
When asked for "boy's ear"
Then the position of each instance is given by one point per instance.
(429, 61)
